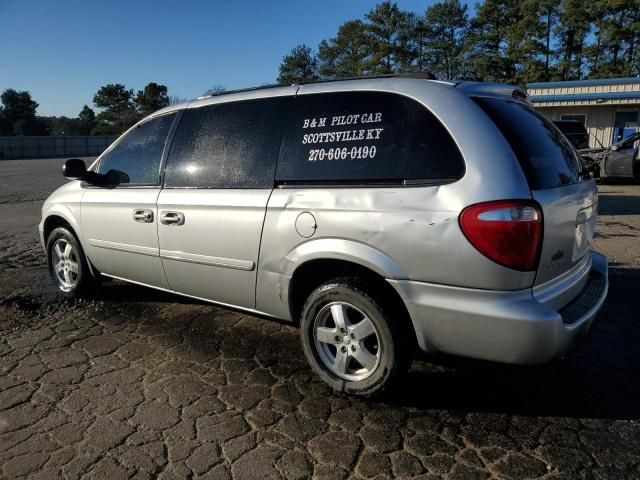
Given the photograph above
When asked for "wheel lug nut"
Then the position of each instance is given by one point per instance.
(344, 349)
(343, 330)
(338, 338)
(353, 348)
(353, 336)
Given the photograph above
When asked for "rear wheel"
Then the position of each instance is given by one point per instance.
(350, 340)
(67, 264)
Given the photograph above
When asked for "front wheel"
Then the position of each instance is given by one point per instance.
(349, 339)
(67, 264)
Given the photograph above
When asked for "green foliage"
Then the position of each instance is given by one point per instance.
(301, 65)
(86, 120)
(18, 114)
(345, 55)
(388, 38)
(442, 35)
(572, 30)
(617, 36)
(516, 41)
(152, 98)
(118, 109)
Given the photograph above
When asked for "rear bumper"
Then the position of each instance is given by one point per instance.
(518, 327)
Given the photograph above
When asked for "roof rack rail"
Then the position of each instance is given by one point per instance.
(240, 90)
(418, 75)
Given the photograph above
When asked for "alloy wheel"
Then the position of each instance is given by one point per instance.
(347, 341)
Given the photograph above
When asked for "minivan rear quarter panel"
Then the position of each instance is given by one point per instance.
(414, 227)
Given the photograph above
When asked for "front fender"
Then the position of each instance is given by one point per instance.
(70, 214)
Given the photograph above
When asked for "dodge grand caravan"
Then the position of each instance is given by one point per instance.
(377, 214)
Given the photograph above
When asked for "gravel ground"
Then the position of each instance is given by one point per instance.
(136, 383)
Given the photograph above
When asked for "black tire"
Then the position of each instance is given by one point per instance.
(391, 336)
(82, 280)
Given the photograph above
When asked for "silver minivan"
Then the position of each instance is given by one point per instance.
(378, 214)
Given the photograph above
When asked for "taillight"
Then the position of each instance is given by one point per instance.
(509, 232)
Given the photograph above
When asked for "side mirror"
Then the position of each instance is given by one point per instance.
(74, 169)
(116, 177)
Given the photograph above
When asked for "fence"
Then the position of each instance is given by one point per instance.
(54, 146)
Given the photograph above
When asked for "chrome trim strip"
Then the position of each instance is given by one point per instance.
(124, 247)
(233, 263)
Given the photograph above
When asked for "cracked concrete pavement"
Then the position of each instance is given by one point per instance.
(140, 384)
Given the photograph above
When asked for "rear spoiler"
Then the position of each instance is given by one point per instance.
(482, 89)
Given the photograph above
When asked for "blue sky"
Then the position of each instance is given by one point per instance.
(63, 51)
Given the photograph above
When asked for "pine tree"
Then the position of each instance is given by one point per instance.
(574, 25)
(386, 28)
(617, 36)
(346, 54)
(445, 27)
(487, 41)
(301, 65)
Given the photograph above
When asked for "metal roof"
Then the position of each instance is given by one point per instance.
(582, 97)
(585, 83)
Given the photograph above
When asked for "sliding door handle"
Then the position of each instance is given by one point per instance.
(172, 218)
(143, 215)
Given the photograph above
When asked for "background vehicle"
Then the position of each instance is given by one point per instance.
(575, 132)
(621, 160)
(377, 214)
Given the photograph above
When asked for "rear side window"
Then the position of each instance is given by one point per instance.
(546, 156)
(365, 137)
(139, 153)
(228, 145)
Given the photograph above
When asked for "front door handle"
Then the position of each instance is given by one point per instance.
(143, 215)
(171, 218)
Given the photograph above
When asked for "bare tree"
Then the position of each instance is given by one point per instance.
(174, 99)
(216, 89)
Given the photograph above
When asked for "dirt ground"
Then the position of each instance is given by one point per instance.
(140, 384)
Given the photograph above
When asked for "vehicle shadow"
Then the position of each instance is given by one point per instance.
(599, 378)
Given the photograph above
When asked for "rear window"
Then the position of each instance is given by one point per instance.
(365, 137)
(547, 158)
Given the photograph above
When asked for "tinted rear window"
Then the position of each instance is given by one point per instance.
(227, 145)
(547, 158)
(365, 137)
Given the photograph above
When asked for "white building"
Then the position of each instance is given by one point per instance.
(608, 107)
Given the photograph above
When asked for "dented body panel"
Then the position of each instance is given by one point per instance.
(414, 228)
(242, 247)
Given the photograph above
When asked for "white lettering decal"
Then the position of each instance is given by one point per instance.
(342, 136)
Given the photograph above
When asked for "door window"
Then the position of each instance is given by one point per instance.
(228, 145)
(136, 157)
(365, 137)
